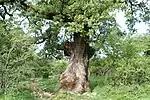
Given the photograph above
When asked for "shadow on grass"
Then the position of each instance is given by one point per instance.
(97, 81)
(49, 84)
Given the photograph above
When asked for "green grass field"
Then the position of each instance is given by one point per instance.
(99, 91)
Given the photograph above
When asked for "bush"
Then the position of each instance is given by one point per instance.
(132, 67)
(125, 63)
(101, 67)
(16, 51)
(137, 71)
(46, 68)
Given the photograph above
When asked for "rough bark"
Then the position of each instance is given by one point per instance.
(75, 78)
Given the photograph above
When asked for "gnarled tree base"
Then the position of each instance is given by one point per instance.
(75, 78)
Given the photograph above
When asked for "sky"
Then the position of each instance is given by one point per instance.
(141, 27)
(121, 20)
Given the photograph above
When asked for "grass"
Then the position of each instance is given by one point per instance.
(100, 91)
(23, 95)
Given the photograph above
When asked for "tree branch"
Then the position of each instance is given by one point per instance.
(5, 9)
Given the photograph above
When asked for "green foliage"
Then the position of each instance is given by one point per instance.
(132, 68)
(45, 68)
(100, 91)
(101, 67)
(122, 93)
(125, 62)
(25, 95)
(85, 17)
(136, 71)
(49, 85)
(16, 51)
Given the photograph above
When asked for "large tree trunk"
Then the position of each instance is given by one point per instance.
(75, 78)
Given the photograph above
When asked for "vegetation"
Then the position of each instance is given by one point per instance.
(85, 55)
(100, 91)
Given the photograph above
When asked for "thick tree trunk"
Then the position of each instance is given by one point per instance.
(75, 78)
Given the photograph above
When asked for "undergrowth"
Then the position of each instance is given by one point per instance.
(100, 90)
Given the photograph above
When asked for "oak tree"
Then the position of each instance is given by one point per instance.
(84, 21)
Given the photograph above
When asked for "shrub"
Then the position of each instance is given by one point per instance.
(47, 67)
(137, 71)
(16, 50)
(124, 62)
